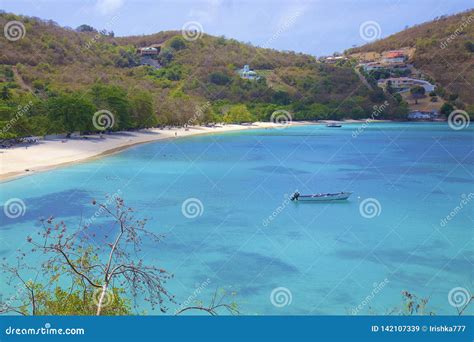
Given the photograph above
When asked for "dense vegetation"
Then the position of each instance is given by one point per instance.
(444, 52)
(54, 79)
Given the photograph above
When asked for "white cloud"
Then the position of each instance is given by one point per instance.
(207, 11)
(108, 6)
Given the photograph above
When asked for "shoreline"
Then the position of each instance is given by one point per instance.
(24, 160)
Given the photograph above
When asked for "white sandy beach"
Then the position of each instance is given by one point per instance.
(47, 154)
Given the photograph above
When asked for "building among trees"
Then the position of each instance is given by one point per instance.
(248, 74)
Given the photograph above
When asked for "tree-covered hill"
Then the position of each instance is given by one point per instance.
(64, 75)
(444, 50)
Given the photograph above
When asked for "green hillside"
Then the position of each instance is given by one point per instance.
(62, 76)
(444, 52)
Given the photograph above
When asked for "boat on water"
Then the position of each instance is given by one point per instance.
(337, 196)
(333, 125)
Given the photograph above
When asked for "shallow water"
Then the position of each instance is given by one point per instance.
(251, 240)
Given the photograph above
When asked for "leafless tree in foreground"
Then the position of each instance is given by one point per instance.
(414, 305)
(114, 262)
(217, 303)
(100, 267)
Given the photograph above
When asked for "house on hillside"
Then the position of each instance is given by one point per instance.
(248, 74)
(374, 66)
(394, 56)
(393, 60)
(148, 55)
(396, 66)
(148, 51)
(371, 66)
(402, 84)
(333, 59)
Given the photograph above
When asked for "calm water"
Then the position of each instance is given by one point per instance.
(327, 255)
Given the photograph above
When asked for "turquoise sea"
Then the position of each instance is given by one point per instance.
(278, 257)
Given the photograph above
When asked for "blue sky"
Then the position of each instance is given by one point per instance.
(318, 27)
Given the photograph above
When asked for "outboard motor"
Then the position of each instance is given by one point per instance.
(295, 196)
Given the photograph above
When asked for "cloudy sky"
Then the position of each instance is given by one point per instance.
(318, 27)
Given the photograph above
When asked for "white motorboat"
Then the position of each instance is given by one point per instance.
(337, 196)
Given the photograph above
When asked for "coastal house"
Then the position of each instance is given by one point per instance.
(402, 84)
(248, 74)
(372, 66)
(333, 59)
(393, 60)
(396, 66)
(148, 51)
(148, 55)
(394, 56)
(422, 115)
